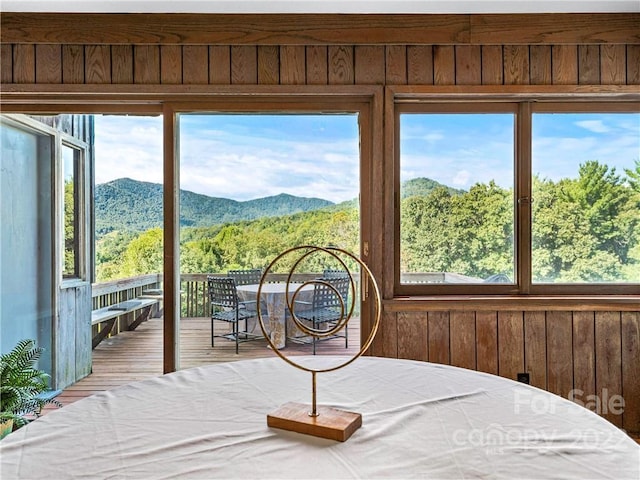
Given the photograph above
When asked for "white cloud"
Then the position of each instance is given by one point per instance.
(461, 179)
(596, 126)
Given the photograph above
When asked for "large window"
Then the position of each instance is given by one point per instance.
(517, 198)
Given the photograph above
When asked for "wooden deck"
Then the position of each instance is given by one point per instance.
(136, 355)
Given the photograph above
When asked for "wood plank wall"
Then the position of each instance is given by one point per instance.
(593, 351)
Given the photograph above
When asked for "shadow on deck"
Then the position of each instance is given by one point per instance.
(136, 355)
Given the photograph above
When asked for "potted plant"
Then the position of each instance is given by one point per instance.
(21, 383)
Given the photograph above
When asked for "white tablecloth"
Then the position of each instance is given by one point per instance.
(420, 420)
(273, 296)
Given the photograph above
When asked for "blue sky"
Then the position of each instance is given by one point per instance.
(252, 156)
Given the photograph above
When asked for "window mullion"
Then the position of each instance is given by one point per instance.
(523, 197)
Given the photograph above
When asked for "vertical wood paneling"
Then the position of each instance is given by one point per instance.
(492, 65)
(487, 342)
(195, 65)
(97, 64)
(146, 64)
(559, 353)
(369, 64)
(564, 64)
(292, 65)
(268, 65)
(631, 371)
(584, 349)
(438, 335)
(6, 63)
(171, 64)
(341, 66)
(24, 63)
(396, 65)
(540, 64)
(122, 64)
(73, 63)
(535, 348)
(83, 332)
(462, 331)
(510, 344)
(220, 65)
(48, 63)
(444, 65)
(608, 359)
(386, 341)
(468, 65)
(589, 64)
(612, 64)
(516, 64)
(413, 330)
(633, 64)
(244, 65)
(316, 58)
(420, 65)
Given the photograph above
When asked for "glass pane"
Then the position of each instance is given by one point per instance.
(70, 201)
(586, 190)
(456, 210)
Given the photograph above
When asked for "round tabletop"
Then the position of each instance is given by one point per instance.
(419, 420)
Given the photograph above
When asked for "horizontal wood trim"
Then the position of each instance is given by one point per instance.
(626, 303)
(319, 29)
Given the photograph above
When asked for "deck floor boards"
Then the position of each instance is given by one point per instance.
(136, 355)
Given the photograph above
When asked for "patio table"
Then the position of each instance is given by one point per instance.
(419, 420)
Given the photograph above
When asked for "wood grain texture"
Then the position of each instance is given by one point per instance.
(516, 64)
(535, 348)
(555, 28)
(146, 64)
(220, 65)
(369, 65)
(540, 65)
(317, 64)
(612, 64)
(387, 343)
(608, 359)
(413, 329)
(510, 344)
(195, 65)
(292, 65)
(73, 64)
(171, 64)
(589, 64)
(6, 63)
(487, 342)
(420, 65)
(233, 29)
(244, 65)
(468, 65)
(462, 339)
(341, 65)
(24, 63)
(559, 353)
(631, 371)
(633, 64)
(438, 333)
(122, 64)
(268, 65)
(48, 63)
(444, 65)
(97, 64)
(492, 65)
(584, 351)
(564, 64)
(396, 65)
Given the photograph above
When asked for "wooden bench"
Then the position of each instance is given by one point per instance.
(110, 314)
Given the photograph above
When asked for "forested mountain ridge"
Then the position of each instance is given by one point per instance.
(128, 205)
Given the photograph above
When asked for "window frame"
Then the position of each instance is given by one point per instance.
(526, 105)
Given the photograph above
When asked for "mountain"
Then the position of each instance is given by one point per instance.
(130, 205)
(423, 187)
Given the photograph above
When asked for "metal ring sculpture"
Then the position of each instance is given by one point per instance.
(334, 252)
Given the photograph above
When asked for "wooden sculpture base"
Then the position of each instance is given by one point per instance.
(330, 423)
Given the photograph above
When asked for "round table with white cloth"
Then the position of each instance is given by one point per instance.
(419, 420)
